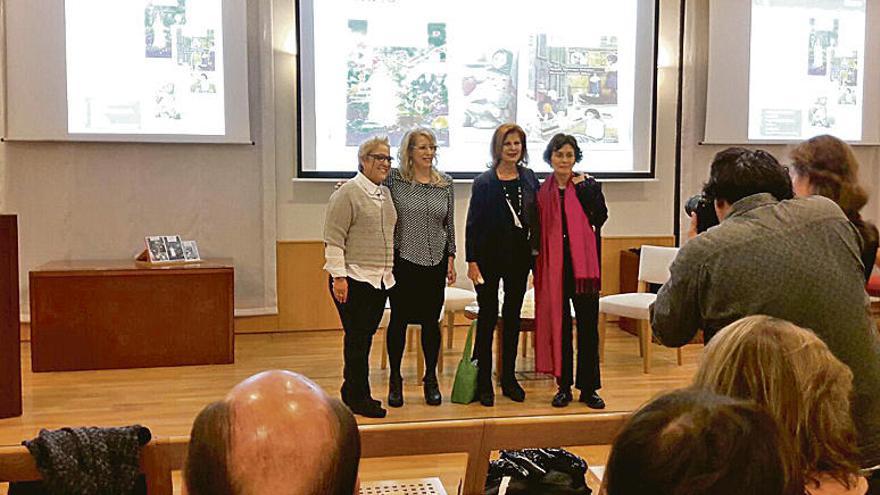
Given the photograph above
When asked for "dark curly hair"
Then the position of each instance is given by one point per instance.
(557, 142)
(740, 172)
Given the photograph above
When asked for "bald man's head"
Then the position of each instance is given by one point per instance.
(275, 433)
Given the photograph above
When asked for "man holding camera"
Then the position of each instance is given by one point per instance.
(795, 259)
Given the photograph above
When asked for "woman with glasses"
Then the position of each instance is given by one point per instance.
(500, 215)
(424, 256)
(359, 256)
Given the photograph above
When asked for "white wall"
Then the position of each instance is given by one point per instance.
(99, 200)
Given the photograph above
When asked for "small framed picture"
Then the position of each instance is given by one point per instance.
(156, 248)
(175, 247)
(191, 251)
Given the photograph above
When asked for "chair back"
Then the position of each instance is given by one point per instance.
(654, 263)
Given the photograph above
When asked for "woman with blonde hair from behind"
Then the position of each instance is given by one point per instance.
(791, 372)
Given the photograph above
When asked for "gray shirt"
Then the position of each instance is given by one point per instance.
(798, 260)
(359, 233)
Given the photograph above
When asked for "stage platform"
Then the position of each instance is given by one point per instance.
(167, 399)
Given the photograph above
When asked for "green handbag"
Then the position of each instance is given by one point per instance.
(464, 389)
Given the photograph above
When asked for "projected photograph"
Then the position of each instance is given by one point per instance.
(383, 68)
(489, 87)
(573, 89)
(810, 81)
(391, 89)
(159, 22)
(167, 75)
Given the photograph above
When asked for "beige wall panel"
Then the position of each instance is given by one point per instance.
(303, 298)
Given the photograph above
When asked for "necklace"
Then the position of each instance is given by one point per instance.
(518, 202)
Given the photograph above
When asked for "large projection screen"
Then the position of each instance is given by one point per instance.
(461, 68)
(132, 70)
(786, 70)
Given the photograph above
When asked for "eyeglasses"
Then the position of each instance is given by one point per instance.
(381, 158)
(426, 148)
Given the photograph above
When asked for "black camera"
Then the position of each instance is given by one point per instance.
(705, 210)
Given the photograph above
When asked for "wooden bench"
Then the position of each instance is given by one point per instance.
(477, 438)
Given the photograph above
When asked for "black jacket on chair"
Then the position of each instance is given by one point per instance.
(490, 231)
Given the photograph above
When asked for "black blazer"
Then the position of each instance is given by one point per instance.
(490, 232)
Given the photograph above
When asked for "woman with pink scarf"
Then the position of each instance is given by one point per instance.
(571, 210)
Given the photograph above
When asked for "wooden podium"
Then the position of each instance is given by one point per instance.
(10, 326)
(98, 314)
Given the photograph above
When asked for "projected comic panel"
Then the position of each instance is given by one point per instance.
(156, 69)
(383, 68)
(812, 81)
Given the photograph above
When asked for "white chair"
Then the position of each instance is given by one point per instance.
(455, 299)
(654, 265)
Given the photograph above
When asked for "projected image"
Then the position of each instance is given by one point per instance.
(167, 80)
(489, 89)
(810, 81)
(159, 22)
(382, 68)
(391, 89)
(573, 89)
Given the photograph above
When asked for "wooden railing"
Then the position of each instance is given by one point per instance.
(475, 437)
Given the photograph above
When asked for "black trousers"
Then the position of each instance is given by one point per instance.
(360, 316)
(515, 277)
(416, 298)
(586, 310)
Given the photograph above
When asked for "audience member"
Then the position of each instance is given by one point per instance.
(827, 166)
(798, 260)
(275, 433)
(698, 443)
(359, 254)
(790, 372)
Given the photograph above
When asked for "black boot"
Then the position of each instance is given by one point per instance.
(511, 388)
(395, 391)
(562, 398)
(592, 400)
(432, 391)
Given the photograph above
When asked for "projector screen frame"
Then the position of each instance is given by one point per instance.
(649, 174)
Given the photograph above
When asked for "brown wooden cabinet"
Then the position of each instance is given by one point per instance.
(119, 314)
(10, 315)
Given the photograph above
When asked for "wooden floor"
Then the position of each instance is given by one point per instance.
(167, 399)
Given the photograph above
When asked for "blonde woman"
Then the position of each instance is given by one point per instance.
(791, 372)
(424, 256)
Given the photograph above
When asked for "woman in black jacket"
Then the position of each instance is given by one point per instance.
(571, 210)
(501, 212)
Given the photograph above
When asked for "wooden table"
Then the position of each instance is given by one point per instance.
(118, 314)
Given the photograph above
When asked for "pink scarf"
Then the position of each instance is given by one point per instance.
(548, 269)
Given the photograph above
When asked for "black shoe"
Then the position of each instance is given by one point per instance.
(593, 400)
(395, 392)
(432, 391)
(562, 398)
(368, 408)
(513, 391)
(487, 397)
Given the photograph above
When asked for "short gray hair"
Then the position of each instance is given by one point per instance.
(369, 145)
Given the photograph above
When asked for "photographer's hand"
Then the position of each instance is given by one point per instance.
(692, 231)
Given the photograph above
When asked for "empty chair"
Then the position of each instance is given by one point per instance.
(653, 269)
